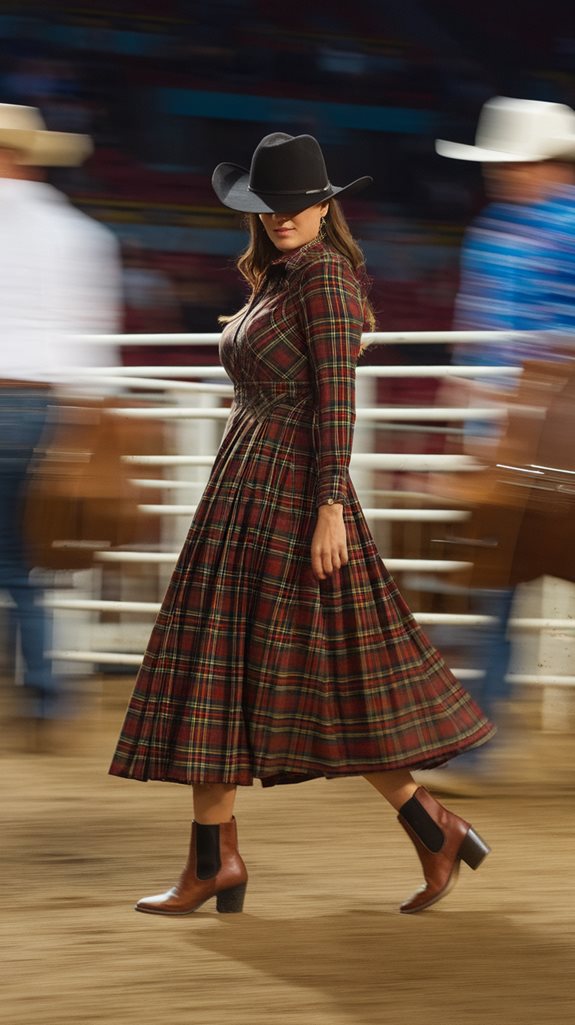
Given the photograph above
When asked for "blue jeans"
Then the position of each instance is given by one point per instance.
(22, 419)
(491, 648)
(487, 649)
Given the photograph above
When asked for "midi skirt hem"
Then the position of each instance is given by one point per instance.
(291, 776)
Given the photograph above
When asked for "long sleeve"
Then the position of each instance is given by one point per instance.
(85, 295)
(333, 322)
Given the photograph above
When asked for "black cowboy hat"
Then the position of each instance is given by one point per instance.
(287, 174)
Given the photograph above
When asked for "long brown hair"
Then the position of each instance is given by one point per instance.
(254, 262)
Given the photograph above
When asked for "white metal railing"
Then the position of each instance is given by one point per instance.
(365, 460)
(175, 380)
(391, 414)
(369, 338)
(388, 515)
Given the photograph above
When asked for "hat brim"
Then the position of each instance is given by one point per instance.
(47, 149)
(230, 183)
(565, 150)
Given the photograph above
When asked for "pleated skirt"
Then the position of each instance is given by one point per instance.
(254, 669)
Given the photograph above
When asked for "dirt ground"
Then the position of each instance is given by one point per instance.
(321, 941)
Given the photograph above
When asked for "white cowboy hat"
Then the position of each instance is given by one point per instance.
(23, 129)
(517, 131)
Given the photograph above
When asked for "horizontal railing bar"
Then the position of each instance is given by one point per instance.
(365, 460)
(453, 619)
(529, 623)
(431, 337)
(431, 413)
(540, 623)
(103, 657)
(166, 483)
(101, 605)
(177, 484)
(390, 515)
(187, 370)
(131, 659)
(393, 370)
(543, 680)
(438, 370)
(169, 460)
(155, 383)
(206, 338)
(368, 338)
(173, 412)
(517, 623)
(443, 431)
(162, 558)
(391, 413)
(394, 565)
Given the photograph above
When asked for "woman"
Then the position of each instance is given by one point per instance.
(283, 650)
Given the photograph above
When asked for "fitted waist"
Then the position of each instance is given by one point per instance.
(262, 396)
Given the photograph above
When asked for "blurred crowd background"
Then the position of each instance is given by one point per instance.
(167, 91)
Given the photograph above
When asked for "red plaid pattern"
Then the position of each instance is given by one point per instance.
(254, 669)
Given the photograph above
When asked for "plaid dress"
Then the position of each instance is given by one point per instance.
(254, 668)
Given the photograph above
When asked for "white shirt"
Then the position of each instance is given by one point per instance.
(59, 279)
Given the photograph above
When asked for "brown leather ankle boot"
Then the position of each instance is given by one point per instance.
(442, 841)
(214, 869)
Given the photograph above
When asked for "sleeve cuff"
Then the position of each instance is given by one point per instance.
(331, 494)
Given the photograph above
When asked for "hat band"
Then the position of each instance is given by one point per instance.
(289, 192)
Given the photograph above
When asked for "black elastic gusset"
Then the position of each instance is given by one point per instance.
(421, 822)
(208, 861)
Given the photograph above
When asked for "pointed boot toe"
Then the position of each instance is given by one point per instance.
(160, 904)
(214, 869)
(442, 841)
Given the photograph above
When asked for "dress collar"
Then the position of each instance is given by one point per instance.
(295, 257)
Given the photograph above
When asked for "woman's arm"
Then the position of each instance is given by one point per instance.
(333, 320)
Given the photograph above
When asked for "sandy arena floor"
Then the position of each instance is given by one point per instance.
(321, 941)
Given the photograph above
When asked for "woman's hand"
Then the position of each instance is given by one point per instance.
(328, 545)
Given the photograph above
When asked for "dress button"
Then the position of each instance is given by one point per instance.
(330, 501)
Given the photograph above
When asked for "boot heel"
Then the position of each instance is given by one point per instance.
(473, 850)
(231, 901)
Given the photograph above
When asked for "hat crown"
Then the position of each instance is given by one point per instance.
(287, 175)
(288, 165)
(16, 118)
(22, 129)
(533, 129)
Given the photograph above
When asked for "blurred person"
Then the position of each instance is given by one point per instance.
(517, 274)
(58, 279)
(518, 257)
(283, 650)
